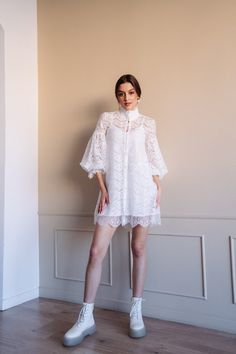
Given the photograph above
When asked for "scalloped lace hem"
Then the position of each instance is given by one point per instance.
(128, 220)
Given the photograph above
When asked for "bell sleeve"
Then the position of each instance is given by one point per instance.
(94, 158)
(154, 155)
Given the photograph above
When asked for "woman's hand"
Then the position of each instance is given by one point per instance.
(104, 199)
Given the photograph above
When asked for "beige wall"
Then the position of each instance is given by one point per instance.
(183, 53)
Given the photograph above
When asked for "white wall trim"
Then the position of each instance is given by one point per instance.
(19, 298)
(187, 217)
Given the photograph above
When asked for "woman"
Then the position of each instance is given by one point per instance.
(124, 154)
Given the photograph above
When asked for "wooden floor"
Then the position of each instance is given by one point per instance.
(38, 326)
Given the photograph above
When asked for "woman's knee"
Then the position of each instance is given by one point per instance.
(138, 249)
(96, 255)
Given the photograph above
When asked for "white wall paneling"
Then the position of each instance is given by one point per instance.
(190, 276)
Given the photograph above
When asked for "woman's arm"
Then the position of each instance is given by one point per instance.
(104, 194)
(101, 181)
(156, 179)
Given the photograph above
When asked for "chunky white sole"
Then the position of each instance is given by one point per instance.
(137, 333)
(70, 342)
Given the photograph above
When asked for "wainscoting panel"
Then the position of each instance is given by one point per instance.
(71, 255)
(191, 273)
(176, 265)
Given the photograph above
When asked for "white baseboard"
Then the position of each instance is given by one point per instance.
(18, 299)
(192, 318)
(162, 313)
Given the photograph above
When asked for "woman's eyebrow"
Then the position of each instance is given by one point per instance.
(128, 90)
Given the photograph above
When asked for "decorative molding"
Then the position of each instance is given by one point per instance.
(83, 214)
(80, 229)
(199, 217)
(233, 266)
(185, 217)
(203, 267)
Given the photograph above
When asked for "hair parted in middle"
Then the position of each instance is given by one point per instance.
(132, 80)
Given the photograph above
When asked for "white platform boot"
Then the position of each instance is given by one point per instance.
(136, 327)
(83, 327)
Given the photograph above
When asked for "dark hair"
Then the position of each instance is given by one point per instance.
(132, 80)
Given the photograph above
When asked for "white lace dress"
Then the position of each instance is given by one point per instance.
(124, 147)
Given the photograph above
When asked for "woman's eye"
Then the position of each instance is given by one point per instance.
(132, 93)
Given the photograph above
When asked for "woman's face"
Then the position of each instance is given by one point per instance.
(127, 96)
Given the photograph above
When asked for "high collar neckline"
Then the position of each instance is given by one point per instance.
(131, 114)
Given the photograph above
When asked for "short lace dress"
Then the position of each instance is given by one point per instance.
(124, 147)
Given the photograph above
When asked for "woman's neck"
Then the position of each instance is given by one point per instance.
(131, 114)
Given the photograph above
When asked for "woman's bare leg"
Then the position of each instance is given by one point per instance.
(139, 246)
(101, 239)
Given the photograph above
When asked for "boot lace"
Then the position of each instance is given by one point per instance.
(136, 309)
(82, 315)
